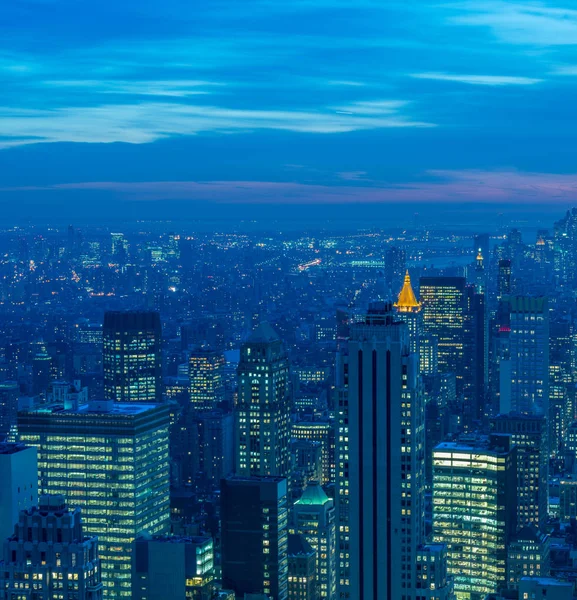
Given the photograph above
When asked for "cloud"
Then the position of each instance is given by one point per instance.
(532, 24)
(490, 80)
(172, 88)
(146, 122)
(442, 186)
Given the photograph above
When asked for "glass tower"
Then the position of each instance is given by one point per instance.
(110, 460)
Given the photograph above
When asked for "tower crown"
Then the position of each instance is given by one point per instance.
(407, 301)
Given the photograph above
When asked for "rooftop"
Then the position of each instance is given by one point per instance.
(263, 334)
(102, 407)
(298, 546)
(10, 448)
(407, 301)
(314, 495)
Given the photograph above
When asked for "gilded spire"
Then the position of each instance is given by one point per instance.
(407, 301)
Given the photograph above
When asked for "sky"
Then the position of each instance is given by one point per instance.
(216, 108)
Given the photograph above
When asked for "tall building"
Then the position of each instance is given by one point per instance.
(322, 432)
(206, 374)
(529, 434)
(395, 265)
(173, 568)
(504, 279)
(444, 302)
(528, 555)
(262, 431)
(528, 350)
(132, 356)
(48, 556)
(19, 489)
(313, 517)
(565, 249)
(409, 311)
(9, 392)
(386, 458)
(110, 460)
(474, 509)
(301, 569)
(433, 580)
(254, 521)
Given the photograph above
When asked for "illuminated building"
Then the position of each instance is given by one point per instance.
(433, 580)
(19, 488)
(111, 460)
(474, 509)
(48, 557)
(132, 356)
(504, 279)
(9, 392)
(567, 499)
(526, 390)
(527, 555)
(206, 372)
(41, 372)
(254, 522)
(409, 309)
(565, 249)
(173, 568)
(529, 434)
(561, 385)
(444, 314)
(322, 432)
(386, 458)
(301, 569)
(262, 430)
(313, 517)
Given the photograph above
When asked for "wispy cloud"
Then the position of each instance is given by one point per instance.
(521, 22)
(146, 122)
(490, 80)
(467, 186)
(174, 88)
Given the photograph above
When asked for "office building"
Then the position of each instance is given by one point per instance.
(433, 579)
(409, 311)
(19, 484)
(111, 460)
(474, 510)
(132, 356)
(539, 588)
(313, 517)
(528, 555)
(529, 434)
(173, 568)
(262, 431)
(386, 458)
(444, 302)
(322, 432)
(567, 499)
(395, 266)
(9, 392)
(301, 569)
(254, 523)
(49, 557)
(206, 375)
(504, 279)
(527, 389)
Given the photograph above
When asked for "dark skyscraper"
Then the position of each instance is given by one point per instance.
(254, 530)
(386, 458)
(132, 356)
(395, 267)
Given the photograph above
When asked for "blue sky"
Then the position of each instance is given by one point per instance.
(278, 102)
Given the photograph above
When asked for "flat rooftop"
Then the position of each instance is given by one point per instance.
(96, 407)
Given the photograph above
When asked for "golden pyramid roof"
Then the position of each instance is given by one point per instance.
(407, 301)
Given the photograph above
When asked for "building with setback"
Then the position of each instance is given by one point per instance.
(262, 430)
(409, 311)
(132, 356)
(386, 458)
(48, 557)
(254, 529)
(111, 460)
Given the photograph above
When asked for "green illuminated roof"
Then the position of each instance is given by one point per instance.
(313, 495)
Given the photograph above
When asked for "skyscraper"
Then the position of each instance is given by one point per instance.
(301, 569)
(173, 568)
(409, 309)
(19, 488)
(9, 391)
(322, 432)
(48, 556)
(474, 509)
(529, 434)
(395, 265)
(132, 356)
(254, 533)
(313, 517)
(110, 460)
(527, 388)
(386, 458)
(262, 431)
(504, 278)
(206, 374)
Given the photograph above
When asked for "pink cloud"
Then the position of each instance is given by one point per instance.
(439, 186)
